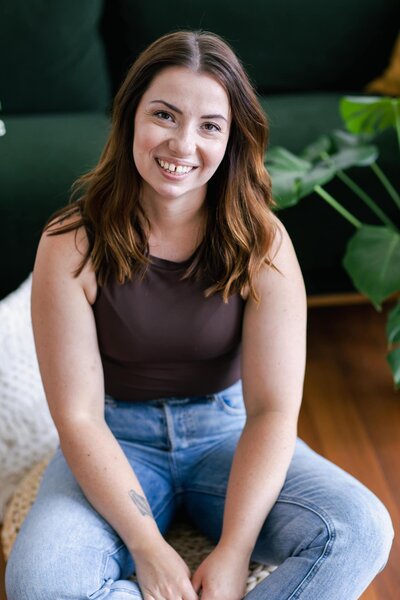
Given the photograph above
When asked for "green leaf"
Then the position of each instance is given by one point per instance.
(369, 114)
(281, 159)
(313, 151)
(318, 175)
(372, 260)
(393, 359)
(293, 177)
(352, 150)
(393, 325)
(344, 139)
(359, 156)
(286, 169)
(284, 189)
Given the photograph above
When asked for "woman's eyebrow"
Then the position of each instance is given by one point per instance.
(171, 106)
(214, 117)
(176, 109)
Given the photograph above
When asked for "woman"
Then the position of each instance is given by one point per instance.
(169, 315)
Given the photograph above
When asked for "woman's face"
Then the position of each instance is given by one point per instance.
(182, 128)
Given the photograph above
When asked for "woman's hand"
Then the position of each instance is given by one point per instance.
(222, 575)
(162, 574)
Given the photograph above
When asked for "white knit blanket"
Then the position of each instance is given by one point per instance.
(27, 432)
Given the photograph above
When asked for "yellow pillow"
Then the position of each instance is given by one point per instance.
(388, 83)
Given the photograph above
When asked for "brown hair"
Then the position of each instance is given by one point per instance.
(239, 226)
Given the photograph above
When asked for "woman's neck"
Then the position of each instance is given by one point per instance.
(175, 230)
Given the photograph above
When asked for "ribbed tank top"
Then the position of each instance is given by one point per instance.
(160, 337)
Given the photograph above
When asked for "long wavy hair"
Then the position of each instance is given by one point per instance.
(239, 228)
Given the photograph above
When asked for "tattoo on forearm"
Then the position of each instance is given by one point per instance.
(141, 503)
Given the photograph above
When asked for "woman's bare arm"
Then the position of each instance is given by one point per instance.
(273, 363)
(70, 365)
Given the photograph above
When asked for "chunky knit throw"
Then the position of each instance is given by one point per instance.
(27, 432)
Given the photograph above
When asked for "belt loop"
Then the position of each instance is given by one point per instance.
(109, 401)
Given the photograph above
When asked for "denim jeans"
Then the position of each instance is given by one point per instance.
(329, 535)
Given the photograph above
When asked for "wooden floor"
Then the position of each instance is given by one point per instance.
(351, 414)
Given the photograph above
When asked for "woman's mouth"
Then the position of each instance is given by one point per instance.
(173, 168)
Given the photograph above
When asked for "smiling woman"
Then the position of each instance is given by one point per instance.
(169, 315)
(233, 221)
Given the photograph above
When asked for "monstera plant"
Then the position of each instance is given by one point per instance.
(372, 257)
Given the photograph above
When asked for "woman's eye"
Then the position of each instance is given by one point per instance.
(161, 114)
(211, 127)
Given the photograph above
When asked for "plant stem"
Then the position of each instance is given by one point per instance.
(337, 206)
(366, 198)
(397, 118)
(386, 183)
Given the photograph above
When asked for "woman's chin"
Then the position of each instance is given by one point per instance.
(171, 191)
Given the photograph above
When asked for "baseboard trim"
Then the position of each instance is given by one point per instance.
(343, 299)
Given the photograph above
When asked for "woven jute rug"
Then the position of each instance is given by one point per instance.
(189, 543)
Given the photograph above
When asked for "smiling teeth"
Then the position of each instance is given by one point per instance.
(171, 168)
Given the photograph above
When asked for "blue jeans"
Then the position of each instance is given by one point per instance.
(329, 534)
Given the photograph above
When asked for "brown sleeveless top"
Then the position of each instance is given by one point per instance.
(161, 337)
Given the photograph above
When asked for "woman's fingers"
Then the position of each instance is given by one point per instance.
(189, 595)
(163, 575)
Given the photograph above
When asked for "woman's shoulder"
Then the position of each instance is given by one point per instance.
(281, 244)
(62, 248)
(66, 235)
(281, 264)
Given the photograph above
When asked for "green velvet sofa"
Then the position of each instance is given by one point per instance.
(61, 62)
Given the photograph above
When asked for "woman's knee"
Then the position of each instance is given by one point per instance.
(352, 523)
(30, 576)
(45, 573)
(364, 525)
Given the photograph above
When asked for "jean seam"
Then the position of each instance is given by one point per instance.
(106, 555)
(175, 475)
(206, 490)
(158, 513)
(103, 589)
(170, 426)
(327, 548)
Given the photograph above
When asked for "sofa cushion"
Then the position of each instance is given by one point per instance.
(286, 46)
(41, 158)
(51, 56)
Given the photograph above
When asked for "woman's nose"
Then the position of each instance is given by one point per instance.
(183, 142)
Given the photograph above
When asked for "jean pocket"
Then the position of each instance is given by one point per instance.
(231, 402)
